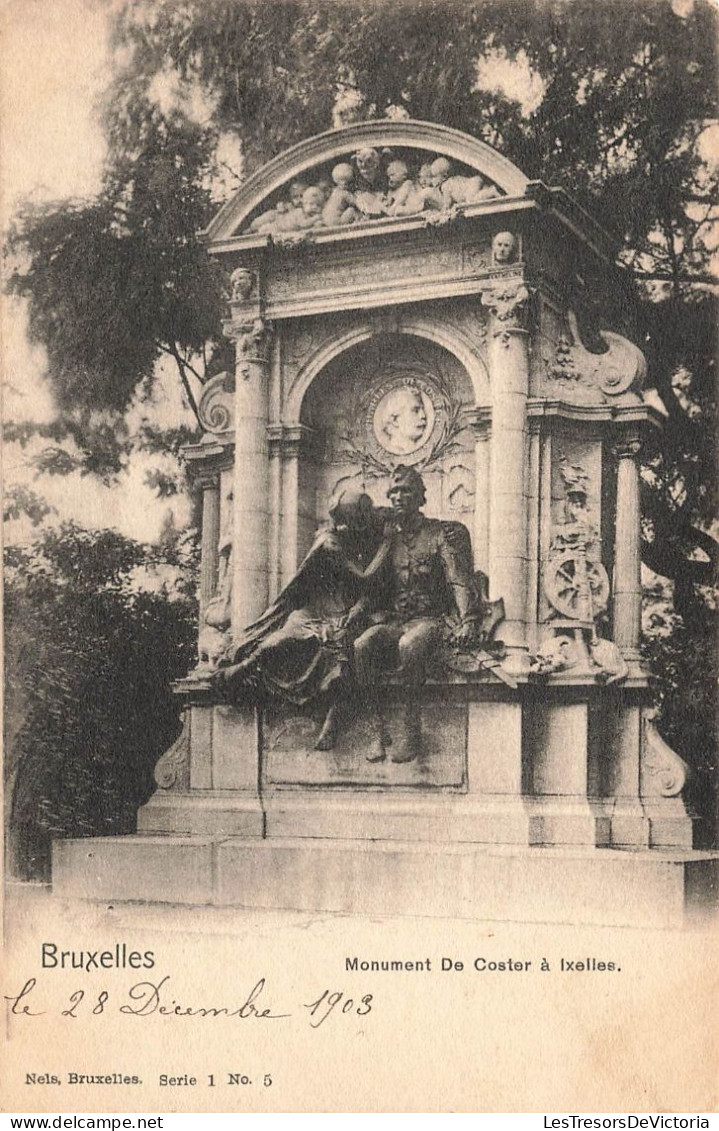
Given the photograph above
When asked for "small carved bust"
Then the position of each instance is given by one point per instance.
(242, 282)
(504, 247)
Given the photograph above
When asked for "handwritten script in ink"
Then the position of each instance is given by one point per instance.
(155, 998)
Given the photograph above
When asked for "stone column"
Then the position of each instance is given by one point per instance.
(481, 429)
(251, 517)
(627, 561)
(290, 503)
(210, 483)
(274, 433)
(534, 486)
(508, 357)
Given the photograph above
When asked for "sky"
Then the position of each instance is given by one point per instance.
(54, 58)
(54, 55)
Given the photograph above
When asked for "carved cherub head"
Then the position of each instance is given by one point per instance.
(343, 175)
(324, 184)
(424, 177)
(367, 161)
(397, 173)
(297, 190)
(313, 200)
(504, 247)
(440, 170)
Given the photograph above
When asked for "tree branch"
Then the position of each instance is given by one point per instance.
(174, 353)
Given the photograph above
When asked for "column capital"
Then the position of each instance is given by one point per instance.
(507, 301)
(480, 421)
(252, 343)
(627, 446)
(208, 478)
(289, 440)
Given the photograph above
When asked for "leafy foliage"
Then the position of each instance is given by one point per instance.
(684, 661)
(90, 656)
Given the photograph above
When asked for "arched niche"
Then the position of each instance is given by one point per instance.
(388, 399)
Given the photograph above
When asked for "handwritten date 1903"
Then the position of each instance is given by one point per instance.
(147, 998)
(324, 1005)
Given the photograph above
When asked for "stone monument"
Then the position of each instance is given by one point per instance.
(418, 685)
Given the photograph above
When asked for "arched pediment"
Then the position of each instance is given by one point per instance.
(415, 143)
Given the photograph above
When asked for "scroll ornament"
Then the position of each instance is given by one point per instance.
(622, 368)
(665, 773)
(216, 409)
(173, 769)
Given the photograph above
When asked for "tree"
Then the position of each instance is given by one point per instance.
(627, 93)
(97, 627)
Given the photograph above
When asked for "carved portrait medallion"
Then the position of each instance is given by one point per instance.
(402, 415)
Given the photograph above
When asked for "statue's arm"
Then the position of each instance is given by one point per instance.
(456, 555)
(375, 565)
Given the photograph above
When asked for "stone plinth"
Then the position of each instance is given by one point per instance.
(579, 886)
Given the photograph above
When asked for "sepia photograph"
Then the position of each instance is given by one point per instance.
(360, 555)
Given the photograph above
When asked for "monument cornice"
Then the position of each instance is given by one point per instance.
(636, 415)
(209, 458)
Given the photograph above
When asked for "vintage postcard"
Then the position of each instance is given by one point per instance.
(359, 633)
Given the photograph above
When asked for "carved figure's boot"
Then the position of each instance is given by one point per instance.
(381, 737)
(413, 733)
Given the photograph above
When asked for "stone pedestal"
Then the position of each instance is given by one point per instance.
(671, 889)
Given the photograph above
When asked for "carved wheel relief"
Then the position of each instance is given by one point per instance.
(576, 586)
(576, 583)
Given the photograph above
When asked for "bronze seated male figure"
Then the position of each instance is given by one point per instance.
(425, 586)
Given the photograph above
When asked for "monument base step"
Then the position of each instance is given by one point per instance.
(639, 888)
